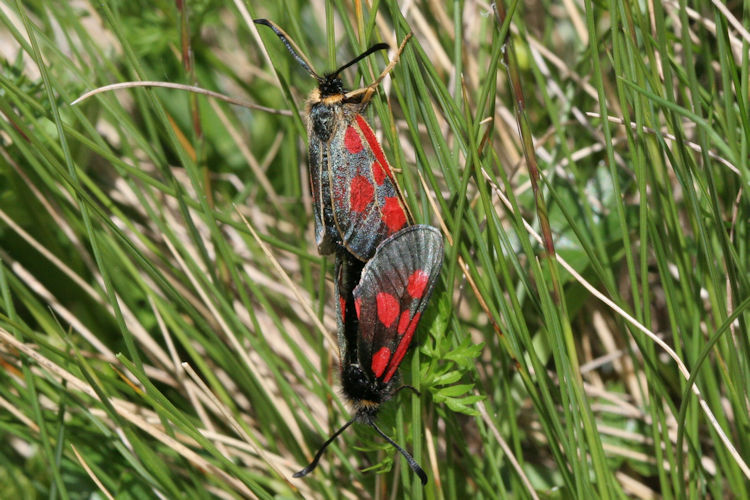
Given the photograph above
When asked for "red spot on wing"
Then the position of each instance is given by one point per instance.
(393, 214)
(377, 151)
(417, 283)
(403, 322)
(380, 360)
(361, 193)
(378, 172)
(387, 308)
(342, 304)
(352, 142)
(402, 347)
(357, 305)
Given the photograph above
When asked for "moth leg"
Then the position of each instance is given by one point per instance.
(367, 92)
(410, 387)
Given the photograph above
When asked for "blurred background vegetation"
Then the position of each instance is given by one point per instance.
(166, 324)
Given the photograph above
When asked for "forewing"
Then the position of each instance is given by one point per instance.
(326, 233)
(392, 293)
(367, 204)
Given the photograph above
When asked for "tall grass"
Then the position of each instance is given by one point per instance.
(166, 324)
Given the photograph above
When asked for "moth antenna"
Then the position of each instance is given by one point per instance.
(370, 89)
(314, 462)
(374, 48)
(290, 46)
(412, 463)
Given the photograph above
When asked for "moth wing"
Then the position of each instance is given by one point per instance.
(326, 234)
(394, 289)
(367, 204)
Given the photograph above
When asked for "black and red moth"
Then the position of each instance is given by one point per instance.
(377, 320)
(356, 201)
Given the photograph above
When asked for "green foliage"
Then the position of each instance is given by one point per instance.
(151, 345)
(446, 364)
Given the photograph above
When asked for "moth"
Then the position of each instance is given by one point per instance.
(356, 201)
(377, 321)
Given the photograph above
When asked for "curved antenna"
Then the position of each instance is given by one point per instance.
(374, 48)
(290, 46)
(314, 462)
(412, 463)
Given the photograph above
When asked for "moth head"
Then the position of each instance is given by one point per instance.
(329, 84)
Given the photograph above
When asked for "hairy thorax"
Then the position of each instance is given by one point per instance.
(325, 114)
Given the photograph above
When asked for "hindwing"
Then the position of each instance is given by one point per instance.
(392, 293)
